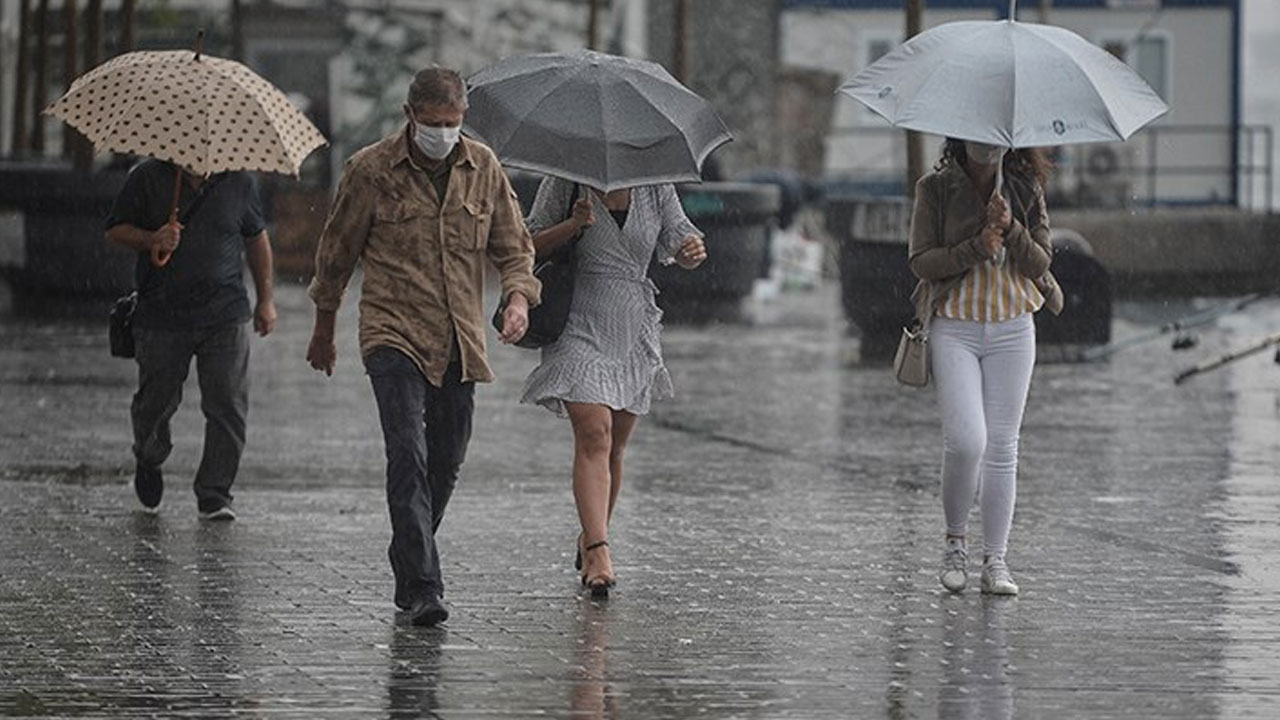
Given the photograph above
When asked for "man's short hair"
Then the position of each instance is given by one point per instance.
(438, 86)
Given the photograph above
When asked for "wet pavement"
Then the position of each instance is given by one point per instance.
(776, 544)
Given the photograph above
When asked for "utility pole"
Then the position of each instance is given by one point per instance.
(593, 11)
(915, 142)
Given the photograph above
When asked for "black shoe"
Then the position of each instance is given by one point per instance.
(428, 612)
(600, 584)
(148, 483)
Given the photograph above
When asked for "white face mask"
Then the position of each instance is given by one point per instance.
(435, 142)
(982, 153)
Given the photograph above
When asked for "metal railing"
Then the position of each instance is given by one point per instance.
(1161, 165)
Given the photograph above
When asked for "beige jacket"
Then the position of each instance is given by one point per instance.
(424, 256)
(946, 228)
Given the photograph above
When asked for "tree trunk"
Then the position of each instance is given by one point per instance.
(915, 142)
(82, 149)
(22, 141)
(593, 10)
(41, 89)
(678, 50)
(237, 30)
(126, 25)
(70, 64)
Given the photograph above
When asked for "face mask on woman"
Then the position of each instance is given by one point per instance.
(435, 142)
(982, 153)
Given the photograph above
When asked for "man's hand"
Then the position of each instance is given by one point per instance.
(166, 237)
(322, 354)
(691, 253)
(264, 318)
(515, 319)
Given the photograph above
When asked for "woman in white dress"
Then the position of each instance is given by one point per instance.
(606, 366)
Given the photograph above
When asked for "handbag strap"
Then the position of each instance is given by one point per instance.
(568, 213)
(942, 207)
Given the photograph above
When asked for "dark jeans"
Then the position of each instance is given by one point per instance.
(426, 429)
(222, 363)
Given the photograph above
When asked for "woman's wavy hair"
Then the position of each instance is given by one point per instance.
(1030, 163)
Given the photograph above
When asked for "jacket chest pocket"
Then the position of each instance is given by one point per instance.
(395, 215)
(473, 223)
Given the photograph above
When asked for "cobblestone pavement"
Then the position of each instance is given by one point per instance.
(776, 544)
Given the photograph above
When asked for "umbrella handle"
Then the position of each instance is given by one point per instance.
(159, 256)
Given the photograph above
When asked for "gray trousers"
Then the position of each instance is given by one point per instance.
(222, 363)
(426, 429)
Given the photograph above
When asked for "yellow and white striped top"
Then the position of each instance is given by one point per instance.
(991, 293)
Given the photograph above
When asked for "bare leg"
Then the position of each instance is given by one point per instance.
(592, 438)
(623, 423)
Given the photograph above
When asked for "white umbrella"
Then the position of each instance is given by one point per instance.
(1007, 83)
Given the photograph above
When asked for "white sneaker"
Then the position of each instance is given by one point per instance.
(220, 514)
(955, 574)
(996, 579)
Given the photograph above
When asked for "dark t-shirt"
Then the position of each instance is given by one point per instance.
(203, 284)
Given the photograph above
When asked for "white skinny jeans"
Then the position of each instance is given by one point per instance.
(982, 372)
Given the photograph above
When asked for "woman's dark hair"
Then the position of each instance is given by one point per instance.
(1031, 163)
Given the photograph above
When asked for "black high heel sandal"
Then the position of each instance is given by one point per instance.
(577, 554)
(599, 585)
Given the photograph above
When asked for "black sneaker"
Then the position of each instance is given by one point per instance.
(148, 483)
(428, 612)
(218, 513)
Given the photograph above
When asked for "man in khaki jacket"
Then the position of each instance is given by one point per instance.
(421, 210)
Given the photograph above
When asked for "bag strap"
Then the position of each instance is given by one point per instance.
(942, 207)
(203, 193)
(568, 213)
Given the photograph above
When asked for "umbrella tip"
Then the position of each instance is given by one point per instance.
(199, 42)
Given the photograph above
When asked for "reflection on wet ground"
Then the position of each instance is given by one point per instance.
(775, 544)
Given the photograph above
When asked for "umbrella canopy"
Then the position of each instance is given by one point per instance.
(1007, 83)
(601, 120)
(204, 114)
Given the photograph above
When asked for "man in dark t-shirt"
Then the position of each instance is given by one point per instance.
(195, 305)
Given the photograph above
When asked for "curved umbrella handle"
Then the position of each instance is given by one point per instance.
(160, 258)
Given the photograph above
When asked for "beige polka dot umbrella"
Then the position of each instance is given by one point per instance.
(204, 114)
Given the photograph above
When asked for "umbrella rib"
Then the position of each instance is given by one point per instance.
(125, 112)
(679, 131)
(532, 110)
(1093, 85)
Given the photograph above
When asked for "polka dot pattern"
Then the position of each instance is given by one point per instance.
(208, 114)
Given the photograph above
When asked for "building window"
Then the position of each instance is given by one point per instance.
(874, 47)
(1148, 54)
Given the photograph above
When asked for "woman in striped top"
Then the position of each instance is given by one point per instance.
(980, 247)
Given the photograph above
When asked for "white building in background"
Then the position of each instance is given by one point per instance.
(1188, 50)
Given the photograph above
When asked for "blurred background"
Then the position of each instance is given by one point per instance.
(1186, 207)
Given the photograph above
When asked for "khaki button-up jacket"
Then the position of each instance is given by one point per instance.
(946, 236)
(423, 256)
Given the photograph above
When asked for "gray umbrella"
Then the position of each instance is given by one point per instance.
(602, 120)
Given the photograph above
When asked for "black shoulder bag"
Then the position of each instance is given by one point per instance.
(547, 320)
